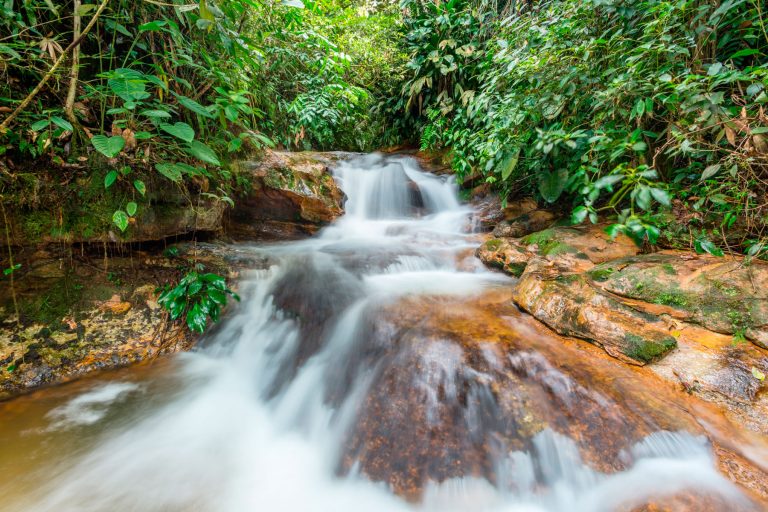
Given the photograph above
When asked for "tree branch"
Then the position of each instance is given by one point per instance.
(75, 43)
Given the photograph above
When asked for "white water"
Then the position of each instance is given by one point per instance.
(246, 430)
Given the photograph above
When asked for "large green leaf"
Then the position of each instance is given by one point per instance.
(108, 146)
(179, 130)
(194, 106)
(170, 171)
(140, 187)
(197, 319)
(120, 218)
(552, 184)
(110, 178)
(509, 163)
(129, 84)
(156, 114)
(202, 152)
(62, 123)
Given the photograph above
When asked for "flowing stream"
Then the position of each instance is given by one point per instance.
(310, 397)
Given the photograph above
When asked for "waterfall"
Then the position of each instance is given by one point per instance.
(267, 416)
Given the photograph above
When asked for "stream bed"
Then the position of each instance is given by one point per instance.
(377, 366)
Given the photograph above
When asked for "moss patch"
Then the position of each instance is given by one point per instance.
(516, 269)
(493, 244)
(601, 273)
(647, 350)
(672, 298)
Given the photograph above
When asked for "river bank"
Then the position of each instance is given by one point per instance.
(87, 302)
(581, 354)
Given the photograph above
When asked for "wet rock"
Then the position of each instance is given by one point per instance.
(525, 224)
(640, 307)
(554, 290)
(466, 388)
(571, 248)
(171, 220)
(521, 217)
(170, 214)
(115, 305)
(293, 195)
(95, 320)
(312, 292)
(452, 398)
(486, 214)
(504, 255)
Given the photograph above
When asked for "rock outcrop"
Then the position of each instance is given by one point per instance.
(696, 320)
(292, 195)
(78, 317)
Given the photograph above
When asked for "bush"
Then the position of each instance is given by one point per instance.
(629, 109)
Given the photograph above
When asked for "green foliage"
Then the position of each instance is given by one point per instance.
(197, 298)
(174, 91)
(618, 107)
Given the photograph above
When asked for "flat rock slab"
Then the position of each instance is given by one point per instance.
(729, 296)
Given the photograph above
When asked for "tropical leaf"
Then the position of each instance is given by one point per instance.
(194, 106)
(62, 123)
(179, 130)
(110, 178)
(156, 114)
(108, 146)
(203, 153)
(140, 187)
(170, 171)
(120, 218)
(509, 163)
(552, 184)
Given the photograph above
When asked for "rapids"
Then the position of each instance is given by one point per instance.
(273, 412)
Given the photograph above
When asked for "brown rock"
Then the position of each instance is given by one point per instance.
(570, 305)
(525, 224)
(115, 305)
(462, 382)
(728, 296)
(293, 195)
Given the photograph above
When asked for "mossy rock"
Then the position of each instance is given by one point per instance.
(725, 296)
(569, 304)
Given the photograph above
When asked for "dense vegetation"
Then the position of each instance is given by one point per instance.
(629, 109)
(124, 96)
(112, 110)
(648, 111)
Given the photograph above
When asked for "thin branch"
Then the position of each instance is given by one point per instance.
(69, 106)
(25, 103)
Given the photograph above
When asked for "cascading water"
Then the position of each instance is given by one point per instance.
(275, 412)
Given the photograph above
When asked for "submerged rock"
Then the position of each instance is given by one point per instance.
(471, 388)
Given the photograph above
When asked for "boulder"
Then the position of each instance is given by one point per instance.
(569, 304)
(554, 288)
(292, 195)
(571, 248)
